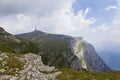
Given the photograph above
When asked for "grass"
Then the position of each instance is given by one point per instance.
(82, 45)
(69, 74)
(49, 72)
(54, 53)
(12, 64)
(11, 44)
(15, 47)
(56, 50)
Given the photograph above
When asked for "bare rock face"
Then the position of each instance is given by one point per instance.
(75, 64)
(33, 69)
(88, 57)
(36, 70)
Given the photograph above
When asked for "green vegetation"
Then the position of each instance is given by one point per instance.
(16, 47)
(49, 72)
(11, 44)
(55, 48)
(54, 52)
(82, 45)
(11, 64)
(69, 74)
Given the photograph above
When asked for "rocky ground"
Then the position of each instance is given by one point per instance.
(25, 67)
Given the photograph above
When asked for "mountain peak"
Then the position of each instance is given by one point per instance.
(4, 35)
(10, 43)
(1, 29)
(38, 32)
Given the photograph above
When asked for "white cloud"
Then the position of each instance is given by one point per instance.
(60, 20)
(116, 21)
(31, 7)
(103, 27)
(56, 17)
(17, 24)
(111, 8)
(117, 32)
(93, 30)
(87, 10)
(70, 23)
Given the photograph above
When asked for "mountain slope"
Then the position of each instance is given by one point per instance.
(54, 48)
(66, 52)
(111, 58)
(69, 74)
(9, 43)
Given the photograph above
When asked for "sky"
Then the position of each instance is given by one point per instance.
(97, 21)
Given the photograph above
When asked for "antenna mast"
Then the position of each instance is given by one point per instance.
(35, 28)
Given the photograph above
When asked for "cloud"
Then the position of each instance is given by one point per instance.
(70, 23)
(87, 10)
(50, 16)
(117, 32)
(56, 17)
(103, 27)
(116, 20)
(111, 8)
(108, 32)
(31, 7)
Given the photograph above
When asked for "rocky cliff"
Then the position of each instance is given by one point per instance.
(64, 51)
(87, 55)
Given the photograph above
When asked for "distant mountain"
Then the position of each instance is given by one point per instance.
(112, 58)
(64, 51)
(12, 44)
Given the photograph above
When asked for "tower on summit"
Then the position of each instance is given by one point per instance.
(35, 28)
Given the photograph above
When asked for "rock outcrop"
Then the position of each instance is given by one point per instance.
(32, 69)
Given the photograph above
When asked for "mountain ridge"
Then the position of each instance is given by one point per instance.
(69, 49)
(61, 51)
(12, 44)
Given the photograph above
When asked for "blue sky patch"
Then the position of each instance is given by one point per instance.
(97, 9)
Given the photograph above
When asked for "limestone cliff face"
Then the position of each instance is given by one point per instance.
(88, 57)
